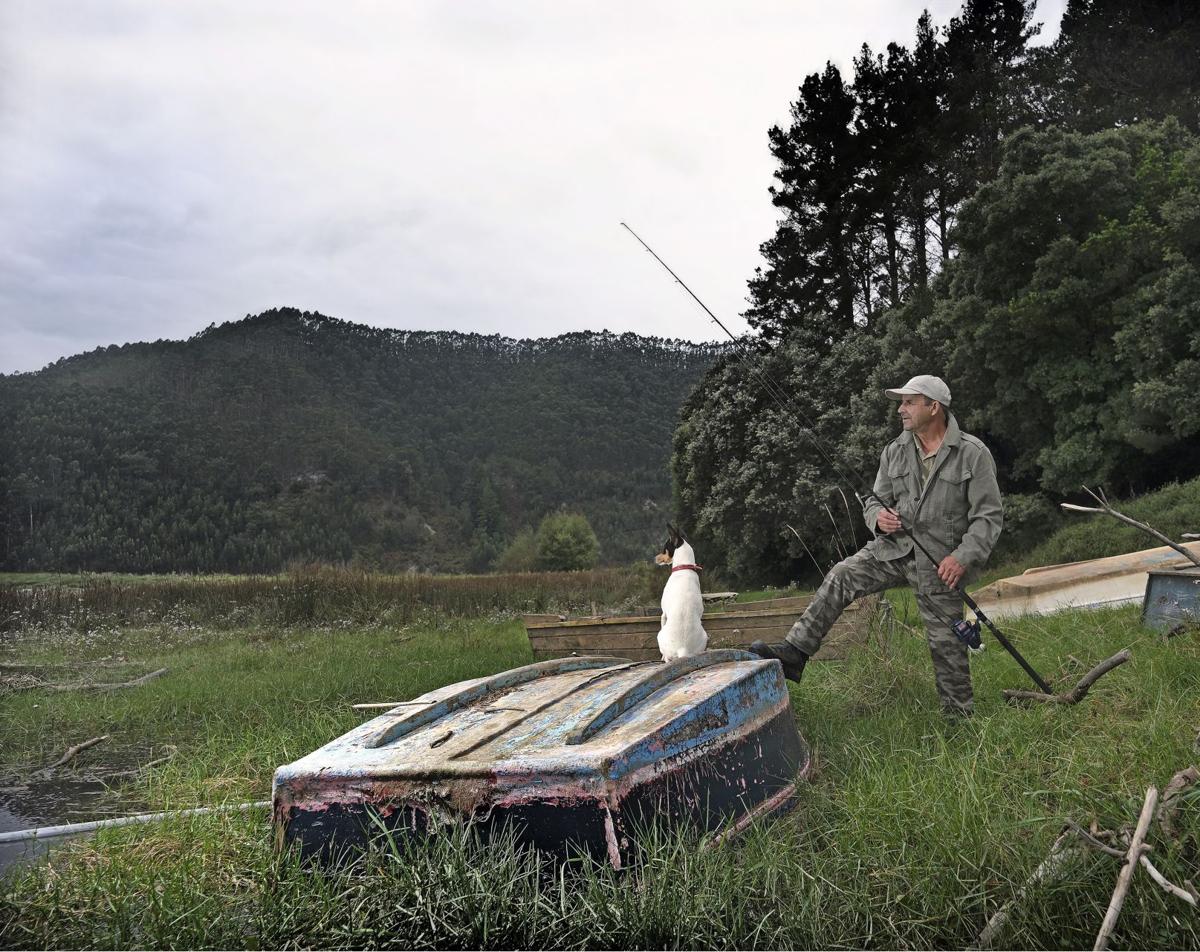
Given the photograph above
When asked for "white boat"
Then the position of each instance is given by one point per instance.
(1095, 583)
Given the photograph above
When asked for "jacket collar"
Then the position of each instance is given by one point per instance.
(952, 438)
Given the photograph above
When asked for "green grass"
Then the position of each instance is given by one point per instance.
(910, 831)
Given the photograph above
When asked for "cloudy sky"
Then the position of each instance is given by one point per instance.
(410, 164)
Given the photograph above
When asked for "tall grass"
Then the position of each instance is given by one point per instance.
(909, 833)
(313, 595)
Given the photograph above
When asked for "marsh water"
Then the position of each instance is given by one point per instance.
(51, 803)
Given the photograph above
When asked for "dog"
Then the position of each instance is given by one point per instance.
(681, 633)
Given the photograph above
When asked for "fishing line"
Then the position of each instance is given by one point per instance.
(967, 632)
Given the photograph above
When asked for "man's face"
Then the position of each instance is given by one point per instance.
(916, 411)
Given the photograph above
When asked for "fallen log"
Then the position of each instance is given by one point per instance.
(1077, 693)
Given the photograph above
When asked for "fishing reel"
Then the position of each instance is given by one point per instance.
(968, 633)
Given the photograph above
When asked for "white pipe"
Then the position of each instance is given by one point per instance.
(71, 829)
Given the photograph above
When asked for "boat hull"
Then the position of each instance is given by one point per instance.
(712, 750)
(1096, 583)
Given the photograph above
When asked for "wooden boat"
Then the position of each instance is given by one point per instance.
(1095, 583)
(734, 625)
(571, 754)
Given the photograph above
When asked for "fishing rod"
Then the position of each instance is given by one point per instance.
(967, 632)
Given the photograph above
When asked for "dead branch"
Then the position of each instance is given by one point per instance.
(1149, 530)
(146, 766)
(70, 754)
(92, 686)
(1170, 801)
(1126, 875)
(1188, 895)
(1077, 693)
(1060, 854)
(1091, 841)
(73, 752)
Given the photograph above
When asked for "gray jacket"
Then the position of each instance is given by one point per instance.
(958, 512)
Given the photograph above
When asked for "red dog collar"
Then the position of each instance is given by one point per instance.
(690, 568)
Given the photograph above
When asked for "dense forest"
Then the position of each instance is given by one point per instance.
(292, 436)
(1022, 220)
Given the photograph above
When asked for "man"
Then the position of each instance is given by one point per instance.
(941, 484)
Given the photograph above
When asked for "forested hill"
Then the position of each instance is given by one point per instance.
(296, 436)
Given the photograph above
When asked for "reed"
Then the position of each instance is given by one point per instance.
(310, 595)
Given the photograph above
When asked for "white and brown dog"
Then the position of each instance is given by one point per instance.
(681, 634)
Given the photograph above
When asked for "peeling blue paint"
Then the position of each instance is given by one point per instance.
(575, 749)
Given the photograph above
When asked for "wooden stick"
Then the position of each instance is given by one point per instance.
(1092, 841)
(137, 770)
(1171, 794)
(89, 686)
(1150, 530)
(1077, 693)
(73, 752)
(1126, 875)
(70, 754)
(1060, 854)
(1190, 898)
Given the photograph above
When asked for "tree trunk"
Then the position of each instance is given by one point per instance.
(920, 251)
(893, 264)
(943, 225)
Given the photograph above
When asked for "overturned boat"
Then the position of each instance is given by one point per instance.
(570, 754)
(1095, 583)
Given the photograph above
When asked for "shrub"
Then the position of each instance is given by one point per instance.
(520, 554)
(566, 542)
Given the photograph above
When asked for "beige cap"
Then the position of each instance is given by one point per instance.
(925, 384)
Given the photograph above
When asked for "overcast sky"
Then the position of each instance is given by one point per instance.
(420, 165)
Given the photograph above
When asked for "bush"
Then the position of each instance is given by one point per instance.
(566, 542)
(1028, 520)
(520, 554)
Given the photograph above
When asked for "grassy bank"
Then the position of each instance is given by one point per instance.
(1057, 537)
(909, 834)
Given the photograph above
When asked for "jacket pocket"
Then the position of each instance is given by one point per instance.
(952, 497)
(898, 476)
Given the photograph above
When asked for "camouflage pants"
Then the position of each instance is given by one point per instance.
(862, 574)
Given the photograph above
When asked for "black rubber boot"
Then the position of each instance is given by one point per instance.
(791, 657)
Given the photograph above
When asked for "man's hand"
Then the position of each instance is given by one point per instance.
(951, 571)
(888, 522)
